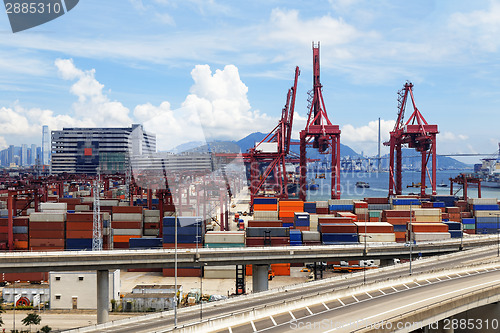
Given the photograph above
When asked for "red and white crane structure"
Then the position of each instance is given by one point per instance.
(416, 133)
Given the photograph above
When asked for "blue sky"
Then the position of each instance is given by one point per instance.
(227, 65)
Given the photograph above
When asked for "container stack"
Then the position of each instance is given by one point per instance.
(126, 223)
(311, 238)
(404, 203)
(453, 213)
(20, 231)
(454, 228)
(399, 220)
(428, 231)
(267, 236)
(265, 209)
(371, 232)
(47, 231)
(340, 205)
(448, 200)
(374, 215)
(302, 221)
(79, 231)
(222, 239)
(287, 210)
(295, 238)
(322, 207)
(189, 236)
(469, 225)
(338, 233)
(378, 203)
(427, 215)
(151, 223)
(53, 207)
(361, 211)
(487, 215)
(71, 203)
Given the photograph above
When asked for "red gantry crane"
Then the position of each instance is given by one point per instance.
(325, 136)
(273, 150)
(416, 133)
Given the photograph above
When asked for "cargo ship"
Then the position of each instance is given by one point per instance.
(489, 171)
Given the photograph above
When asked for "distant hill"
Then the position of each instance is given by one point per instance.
(412, 159)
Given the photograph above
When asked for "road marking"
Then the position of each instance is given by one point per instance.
(230, 330)
(468, 273)
(309, 310)
(291, 314)
(428, 281)
(448, 277)
(477, 272)
(438, 279)
(253, 326)
(416, 283)
(414, 304)
(406, 286)
(274, 321)
(394, 289)
(382, 291)
(325, 305)
(357, 300)
(458, 275)
(341, 301)
(369, 295)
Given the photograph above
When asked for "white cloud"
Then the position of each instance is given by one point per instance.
(364, 138)
(449, 136)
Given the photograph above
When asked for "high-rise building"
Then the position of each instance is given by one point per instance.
(84, 150)
(45, 145)
(10, 155)
(24, 155)
(33, 154)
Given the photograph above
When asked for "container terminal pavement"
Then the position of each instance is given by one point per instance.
(249, 313)
(259, 257)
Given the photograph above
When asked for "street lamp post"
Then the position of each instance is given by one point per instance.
(410, 238)
(175, 273)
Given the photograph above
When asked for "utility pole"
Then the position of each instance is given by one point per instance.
(96, 228)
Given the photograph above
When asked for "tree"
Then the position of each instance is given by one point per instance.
(46, 329)
(31, 319)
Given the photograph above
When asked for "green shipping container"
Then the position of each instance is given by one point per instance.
(221, 245)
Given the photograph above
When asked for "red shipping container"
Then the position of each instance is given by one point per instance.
(47, 234)
(120, 245)
(20, 245)
(79, 226)
(428, 227)
(46, 248)
(455, 210)
(35, 242)
(302, 228)
(375, 229)
(445, 216)
(182, 272)
(397, 213)
(340, 228)
(24, 277)
(374, 219)
(4, 222)
(470, 231)
(4, 229)
(360, 204)
(79, 233)
(21, 222)
(397, 220)
(46, 226)
(73, 201)
(260, 241)
(127, 209)
(334, 220)
(144, 270)
(126, 225)
(287, 219)
(80, 217)
(466, 215)
(400, 234)
(427, 204)
(21, 237)
(377, 201)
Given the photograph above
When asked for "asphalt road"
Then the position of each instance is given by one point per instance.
(186, 316)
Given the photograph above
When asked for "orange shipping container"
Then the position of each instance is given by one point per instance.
(79, 233)
(286, 214)
(123, 238)
(47, 242)
(260, 207)
(400, 234)
(429, 227)
(281, 269)
(20, 245)
(302, 228)
(79, 226)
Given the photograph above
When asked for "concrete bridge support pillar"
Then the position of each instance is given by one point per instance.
(259, 277)
(102, 296)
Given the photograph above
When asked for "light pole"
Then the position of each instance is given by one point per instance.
(175, 272)
(410, 238)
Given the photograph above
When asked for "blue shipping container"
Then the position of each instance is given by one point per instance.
(184, 239)
(265, 201)
(339, 238)
(485, 207)
(455, 233)
(19, 230)
(453, 225)
(399, 228)
(182, 231)
(169, 221)
(145, 243)
(79, 244)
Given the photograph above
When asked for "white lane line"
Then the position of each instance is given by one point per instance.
(274, 321)
(448, 277)
(406, 286)
(438, 279)
(310, 312)
(458, 275)
(416, 283)
(291, 314)
(429, 282)
(325, 305)
(253, 326)
(468, 273)
(415, 304)
(369, 295)
(341, 301)
(357, 300)
(394, 289)
(230, 330)
(382, 292)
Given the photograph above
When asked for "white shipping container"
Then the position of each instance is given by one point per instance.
(311, 236)
(44, 206)
(430, 236)
(265, 215)
(487, 213)
(427, 212)
(128, 232)
(219, 272)
(151, 219)
(108, 202)
(321, 204)
(127, 217)
(224, 237)
(377, 237)
(483, 201)
(152, 213)
(151, 232)
(426, 219)
(47, 217)
(82, 208)
(341, 202)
